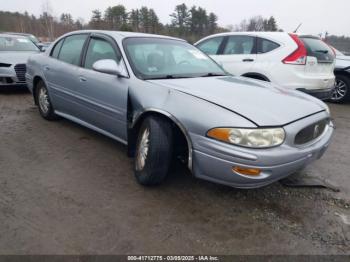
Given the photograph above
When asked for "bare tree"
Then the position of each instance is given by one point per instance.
(47, 19)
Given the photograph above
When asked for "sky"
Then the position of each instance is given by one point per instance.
(316, 16)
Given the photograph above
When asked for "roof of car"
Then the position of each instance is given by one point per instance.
(16, 33)
(248, 33)
(123, 34)
(11, 35)
(256, 33)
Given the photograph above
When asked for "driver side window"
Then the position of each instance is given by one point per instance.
(100, 49)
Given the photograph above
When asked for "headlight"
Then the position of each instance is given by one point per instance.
(327, 110)
(249, 137)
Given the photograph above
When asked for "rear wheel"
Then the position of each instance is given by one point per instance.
(153, 151)
(341, 91)
(44, 103)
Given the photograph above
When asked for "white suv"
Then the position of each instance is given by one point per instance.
(299, 62)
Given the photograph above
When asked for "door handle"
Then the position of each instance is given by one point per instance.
(46, 68)
(248, 60)
(82, 79)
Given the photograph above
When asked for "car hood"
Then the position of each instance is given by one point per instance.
(262, 103)
(15, 57)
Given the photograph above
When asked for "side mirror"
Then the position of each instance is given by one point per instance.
(109, 66)
(42, 48)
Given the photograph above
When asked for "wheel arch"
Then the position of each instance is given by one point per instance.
(342, 72)
(138, 119)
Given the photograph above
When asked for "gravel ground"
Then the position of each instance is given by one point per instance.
(67, 190)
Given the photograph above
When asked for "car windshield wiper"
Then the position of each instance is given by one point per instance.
(166, 77)
(212, 74)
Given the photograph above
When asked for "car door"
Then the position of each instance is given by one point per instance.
(61, 72)
(238, 54)
(103, 97)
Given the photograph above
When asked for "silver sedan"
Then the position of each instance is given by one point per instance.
(167, 100)
(14, 53)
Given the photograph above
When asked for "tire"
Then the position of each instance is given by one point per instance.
(46, 109)
(341, 91)
(154, 148)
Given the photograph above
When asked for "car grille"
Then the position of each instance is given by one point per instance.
(21, 72)
(311, 132)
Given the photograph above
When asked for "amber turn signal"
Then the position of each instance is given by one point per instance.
(246, 171)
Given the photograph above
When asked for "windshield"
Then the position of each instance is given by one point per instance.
(14, 43)
(157, 58)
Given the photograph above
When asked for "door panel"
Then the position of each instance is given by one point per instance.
(238, 55)
(102, 98)
(61, 72)
(62, 82)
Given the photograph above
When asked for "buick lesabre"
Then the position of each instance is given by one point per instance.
(166, 100)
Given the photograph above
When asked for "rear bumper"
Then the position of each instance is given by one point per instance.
(323, 94)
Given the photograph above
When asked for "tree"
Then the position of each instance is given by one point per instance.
(79, 24)
(212, 23)
(144, 20)
(116, 17)
(270, 24)
(257, 23)
(96, 21)
(135, 20)
(181, 19)
(154, 24)
(198, 21)
(47, 19)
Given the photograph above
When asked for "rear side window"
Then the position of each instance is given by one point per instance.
(100, 49)
(265, 46)
(72, 48)
(56, 50)
(319, 49)
(211, 46)
(240, 44)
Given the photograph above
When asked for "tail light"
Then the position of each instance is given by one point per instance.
(331, 47)
(298, 57)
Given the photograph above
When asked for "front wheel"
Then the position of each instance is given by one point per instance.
(153, 151)
(341, 92)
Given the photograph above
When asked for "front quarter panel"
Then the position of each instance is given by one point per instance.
(34, 69)
(195, 114)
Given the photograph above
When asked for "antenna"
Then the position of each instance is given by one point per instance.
(296, 30)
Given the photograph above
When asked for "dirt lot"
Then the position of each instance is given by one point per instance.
(67, 190)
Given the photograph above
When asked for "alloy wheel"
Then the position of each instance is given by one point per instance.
(340, 90)
(142, 150)
(44, 102)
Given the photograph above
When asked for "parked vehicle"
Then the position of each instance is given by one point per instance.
(304, 63)
(341, 91)
(14, 53)
(163, 97)
(42, 46)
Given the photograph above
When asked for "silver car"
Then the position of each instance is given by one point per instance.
(14, 53)
(166, 100)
